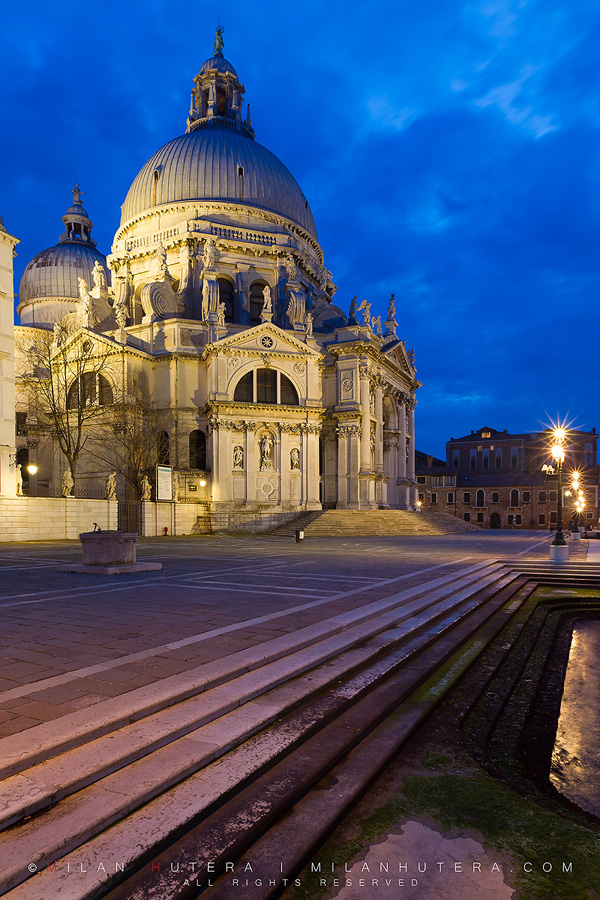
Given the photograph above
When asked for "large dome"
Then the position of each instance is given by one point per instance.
(55, 272)
(218, 163)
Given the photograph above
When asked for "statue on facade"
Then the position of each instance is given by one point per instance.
(267, 300)
(67, 483)
(121, 314)
(294, 458)
(391, 312)
(77, 194)
(266, 449)
(411, 357)
(291, 268)
(84, 307)
(219, 40)
(19, 481)
(111, 486)
(146, 488)
(377, 325)
(160, 260)
(176, 486)
(390, 322)
(60, 333)
(238, 457)
(221, 313)
(352, 314)
(365, 308)
(99, 276)
(210, 253)
(309, 325)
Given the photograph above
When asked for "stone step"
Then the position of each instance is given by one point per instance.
(347, 754)
(77, 818)
(385, 522)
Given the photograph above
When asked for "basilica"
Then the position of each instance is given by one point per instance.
(214, 317)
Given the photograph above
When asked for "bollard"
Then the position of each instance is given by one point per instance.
(299, 535)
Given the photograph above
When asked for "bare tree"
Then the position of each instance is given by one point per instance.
(62, 377)
(134, 444)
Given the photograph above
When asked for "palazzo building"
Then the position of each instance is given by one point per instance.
(214, 313)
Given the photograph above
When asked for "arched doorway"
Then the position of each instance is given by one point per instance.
(495, 521)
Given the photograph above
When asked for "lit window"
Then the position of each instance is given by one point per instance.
(266, 386)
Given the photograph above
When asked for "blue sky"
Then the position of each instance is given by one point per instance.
(450, 152)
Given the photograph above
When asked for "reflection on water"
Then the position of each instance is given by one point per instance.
(575, 769)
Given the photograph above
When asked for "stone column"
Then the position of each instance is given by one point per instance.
(379, 427)
(284, 466)
(410, 474)
(365, 403)
(250, 462)
(402, 494)
(342, 467)
(355, 451)
(311, 467)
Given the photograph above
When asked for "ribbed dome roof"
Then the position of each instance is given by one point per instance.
(205, 165)
(219, 63)
(54, 272)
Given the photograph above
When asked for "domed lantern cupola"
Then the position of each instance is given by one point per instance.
(217, 95)
(78, 225)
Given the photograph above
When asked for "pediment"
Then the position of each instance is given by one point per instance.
(398, 355)
(265, 338)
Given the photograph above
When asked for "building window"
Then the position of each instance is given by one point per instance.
(480, 517)
(421, 497)
(553, 496)
(542, 519)
(510, 519)
(467, 517)
(486, 461)
(421, 479)
(589, 455)
(449, 480)
(162, 448)
(480, 498)
(589, 515)
(553, 518)
(518, 519)
(434, 497)
(467, 497)
(226, 295)
(455, 461)
(542, 496)
(473, 462)
(514, 498)
(197, 447)
(486, 434)
(89, 389)
(266, 386)
(526, 497)
(450, 497)
(498, 460)
(21, 423)
(495, 497)
(256, 301)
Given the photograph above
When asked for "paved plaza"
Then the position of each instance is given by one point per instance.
(70, 641)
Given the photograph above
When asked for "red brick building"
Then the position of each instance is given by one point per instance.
(496, 480)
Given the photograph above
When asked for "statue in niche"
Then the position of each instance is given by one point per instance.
(111, 486)
(210, 253)
(267, 299)
(146, 488)
(99, 276)
(266, 450)
(67, 483)
(221, 314)
(19, 481)
(294, 458)
(365, 308)
(238, 457)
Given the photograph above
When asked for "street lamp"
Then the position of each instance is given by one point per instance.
(558, 548)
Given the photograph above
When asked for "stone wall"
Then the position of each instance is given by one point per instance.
(53, 518)
(179, 518)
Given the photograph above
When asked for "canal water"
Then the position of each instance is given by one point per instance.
(575, 769)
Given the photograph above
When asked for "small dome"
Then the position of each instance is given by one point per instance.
(55, 272)
(77, 210)
(218, 163)
(219, 63)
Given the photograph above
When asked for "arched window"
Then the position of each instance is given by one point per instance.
(486, 461)
(226, 296)
(197, 444)
(162, 448)
(256, 301)
(90, 389)
(266, 386)
(514, 498)
(480, 498)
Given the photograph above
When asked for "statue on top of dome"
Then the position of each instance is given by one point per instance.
(219, 40)
(77, 194)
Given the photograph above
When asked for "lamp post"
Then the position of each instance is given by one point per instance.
(559, 552)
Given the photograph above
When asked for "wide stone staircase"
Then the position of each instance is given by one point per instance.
(264, 749)
(370, 522)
